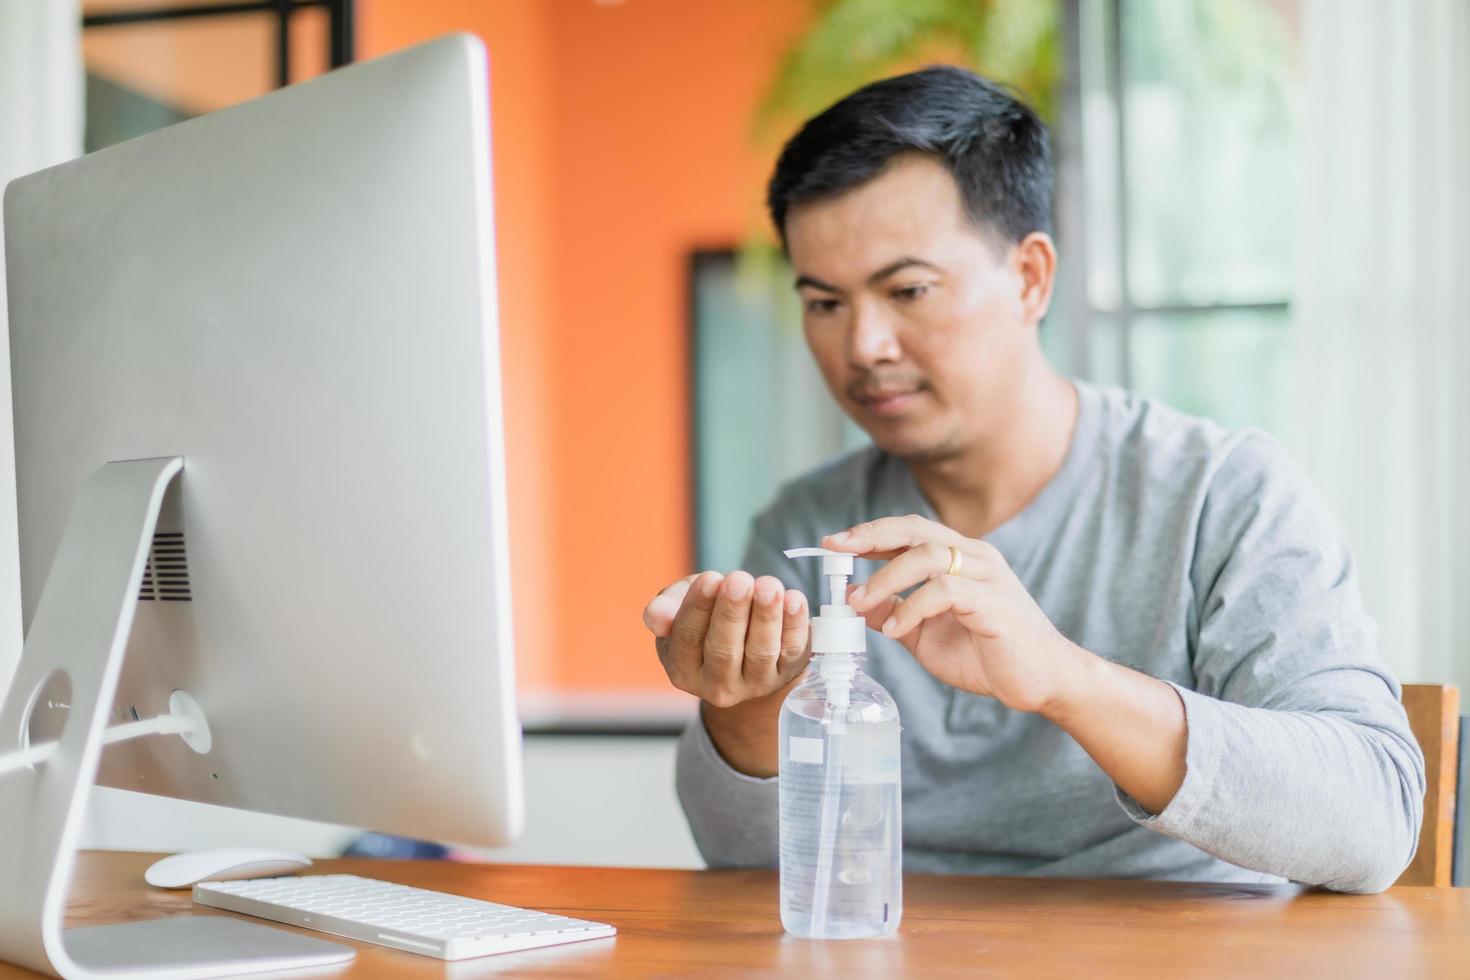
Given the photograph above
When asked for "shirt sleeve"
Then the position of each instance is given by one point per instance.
(733, 816)
(1299, 757)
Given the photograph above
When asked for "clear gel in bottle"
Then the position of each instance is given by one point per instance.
(841, 825)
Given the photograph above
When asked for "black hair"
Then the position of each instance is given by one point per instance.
(992, 143)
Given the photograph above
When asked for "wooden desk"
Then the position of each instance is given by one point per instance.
(725, 922)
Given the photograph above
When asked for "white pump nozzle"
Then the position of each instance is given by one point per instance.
(833, 562)
(839, 629)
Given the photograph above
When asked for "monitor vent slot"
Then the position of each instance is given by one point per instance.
(166, 573)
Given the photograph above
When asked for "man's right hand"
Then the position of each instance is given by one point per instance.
(728, 639)
(735, 643)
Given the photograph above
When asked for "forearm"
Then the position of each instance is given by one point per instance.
(732, 816)
(1319, 795)
(1328, 797)
(745, 734)
(1131, 724)
(724, 778)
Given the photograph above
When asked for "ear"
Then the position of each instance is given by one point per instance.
(1035, 262)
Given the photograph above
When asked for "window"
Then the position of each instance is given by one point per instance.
(151, 64)
(1185, 118)
(748, 339)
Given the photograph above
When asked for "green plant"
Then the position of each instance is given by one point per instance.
(853, 42)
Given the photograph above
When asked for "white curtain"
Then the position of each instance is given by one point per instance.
(40, 124)
(1383, 311)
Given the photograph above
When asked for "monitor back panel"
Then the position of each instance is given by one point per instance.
(297, 296)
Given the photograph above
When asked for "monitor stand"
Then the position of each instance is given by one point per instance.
(67, 678)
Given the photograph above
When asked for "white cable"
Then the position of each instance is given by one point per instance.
(170, 724)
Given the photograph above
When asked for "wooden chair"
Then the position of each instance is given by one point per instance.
(1434, 717)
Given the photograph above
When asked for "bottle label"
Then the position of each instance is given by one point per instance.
(806, 749)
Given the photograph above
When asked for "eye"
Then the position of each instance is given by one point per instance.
(907, 294)
(821, 306)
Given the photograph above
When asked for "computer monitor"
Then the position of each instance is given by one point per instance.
(291, 302)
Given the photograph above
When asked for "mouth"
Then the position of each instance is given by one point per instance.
(888, 402)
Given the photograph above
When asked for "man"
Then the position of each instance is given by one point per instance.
(1123, 641)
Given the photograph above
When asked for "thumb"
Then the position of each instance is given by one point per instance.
(658, 615)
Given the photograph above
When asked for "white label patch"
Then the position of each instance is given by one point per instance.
(806, 750)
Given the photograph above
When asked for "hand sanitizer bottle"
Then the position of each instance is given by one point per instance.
(841, 829)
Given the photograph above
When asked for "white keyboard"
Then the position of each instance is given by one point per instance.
(413, 919)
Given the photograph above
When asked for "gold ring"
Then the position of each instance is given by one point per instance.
(956, 560)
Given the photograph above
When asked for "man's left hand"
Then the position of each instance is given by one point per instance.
(970, 623)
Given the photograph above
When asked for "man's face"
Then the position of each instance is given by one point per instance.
(921, 325)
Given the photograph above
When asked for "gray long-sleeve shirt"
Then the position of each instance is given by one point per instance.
(1173, 546)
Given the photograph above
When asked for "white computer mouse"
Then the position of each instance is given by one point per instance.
(185, 869)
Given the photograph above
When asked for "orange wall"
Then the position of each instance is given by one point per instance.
(653, 100)
(621, 142)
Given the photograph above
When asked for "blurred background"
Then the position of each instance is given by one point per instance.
(1261, 218)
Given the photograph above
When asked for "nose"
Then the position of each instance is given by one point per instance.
(871, 338)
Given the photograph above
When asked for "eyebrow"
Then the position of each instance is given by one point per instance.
(897, 265)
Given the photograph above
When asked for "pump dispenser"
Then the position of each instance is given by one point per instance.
(841, 826)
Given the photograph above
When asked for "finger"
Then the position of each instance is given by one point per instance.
(659, 614)
(684, 653)
(906, 570)
(887, 536)
(795, 631)
(878, 615)
(958, 596)
(724, 643)
(763, 636)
